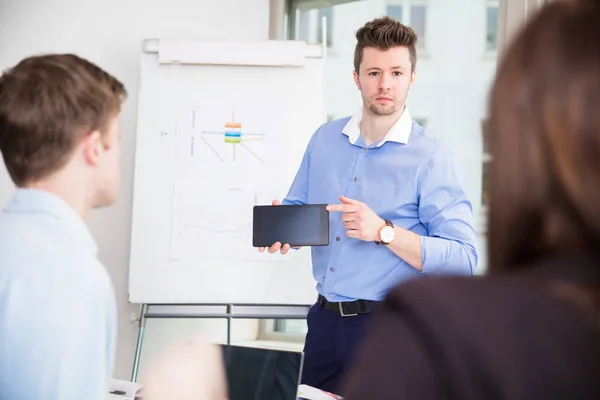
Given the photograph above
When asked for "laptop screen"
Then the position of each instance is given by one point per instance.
(260, 374)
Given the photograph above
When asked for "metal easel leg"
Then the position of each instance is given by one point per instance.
(229, 311)
(138, 349)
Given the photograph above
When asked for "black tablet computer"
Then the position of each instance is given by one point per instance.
(296, 225)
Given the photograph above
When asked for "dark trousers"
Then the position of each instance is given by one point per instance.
(331, 343)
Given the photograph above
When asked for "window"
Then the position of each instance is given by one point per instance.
(487, 158)
(412, 13)
(326, 13)
(395, 11)
(291, 326)
(310, 27)
(485, 184)
(491, 35)
(275, 331)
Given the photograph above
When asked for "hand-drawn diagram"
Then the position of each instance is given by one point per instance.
(212, 220)
(221, 142)
(228, 159)
(232, 134)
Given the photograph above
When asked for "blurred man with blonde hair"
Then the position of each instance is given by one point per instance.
(59, 138)
(187, 370)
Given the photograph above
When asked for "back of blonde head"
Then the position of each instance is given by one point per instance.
(187, 370)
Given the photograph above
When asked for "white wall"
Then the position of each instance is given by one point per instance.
(110, 33)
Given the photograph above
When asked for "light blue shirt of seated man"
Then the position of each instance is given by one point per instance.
(406, 178)
(57, 307)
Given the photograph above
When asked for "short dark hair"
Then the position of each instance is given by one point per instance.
(385, 33)
(544, 132)
(48, 103)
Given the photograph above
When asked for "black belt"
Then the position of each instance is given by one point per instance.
(348, 308)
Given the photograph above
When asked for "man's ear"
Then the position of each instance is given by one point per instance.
(412, 77)
(92, 147)
(356, 80)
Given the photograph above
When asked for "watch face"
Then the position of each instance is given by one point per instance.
(387, 234)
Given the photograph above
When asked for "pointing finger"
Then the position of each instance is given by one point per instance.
(346, 208)
(347, 200)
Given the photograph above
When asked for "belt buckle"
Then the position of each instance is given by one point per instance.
(342, 311)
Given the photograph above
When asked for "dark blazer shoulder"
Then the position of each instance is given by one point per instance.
(476, 337)
(472, 306)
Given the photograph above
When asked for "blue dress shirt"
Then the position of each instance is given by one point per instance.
(57, 305)
(406, 178)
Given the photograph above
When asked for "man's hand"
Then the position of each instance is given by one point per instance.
(276, 246)
(359, 220)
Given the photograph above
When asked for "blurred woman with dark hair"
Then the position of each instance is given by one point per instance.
(530, 329)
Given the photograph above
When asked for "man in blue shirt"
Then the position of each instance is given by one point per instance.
(397, 207)
(60, 143)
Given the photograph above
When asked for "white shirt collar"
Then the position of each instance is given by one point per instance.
(399, 132)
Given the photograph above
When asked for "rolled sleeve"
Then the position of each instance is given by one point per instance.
(446, 213)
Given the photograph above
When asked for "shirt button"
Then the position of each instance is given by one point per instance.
(365, 150)
(331, 269)
(356, 179)
(337, 238)
(330, 296)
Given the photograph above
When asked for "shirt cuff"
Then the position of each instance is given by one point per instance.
(446, 256)
(433, 254)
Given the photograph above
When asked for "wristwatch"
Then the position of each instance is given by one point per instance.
(386, 233)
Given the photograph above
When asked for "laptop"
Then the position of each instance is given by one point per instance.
(262, 374)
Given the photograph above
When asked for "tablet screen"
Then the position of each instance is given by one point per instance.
(296, 225)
